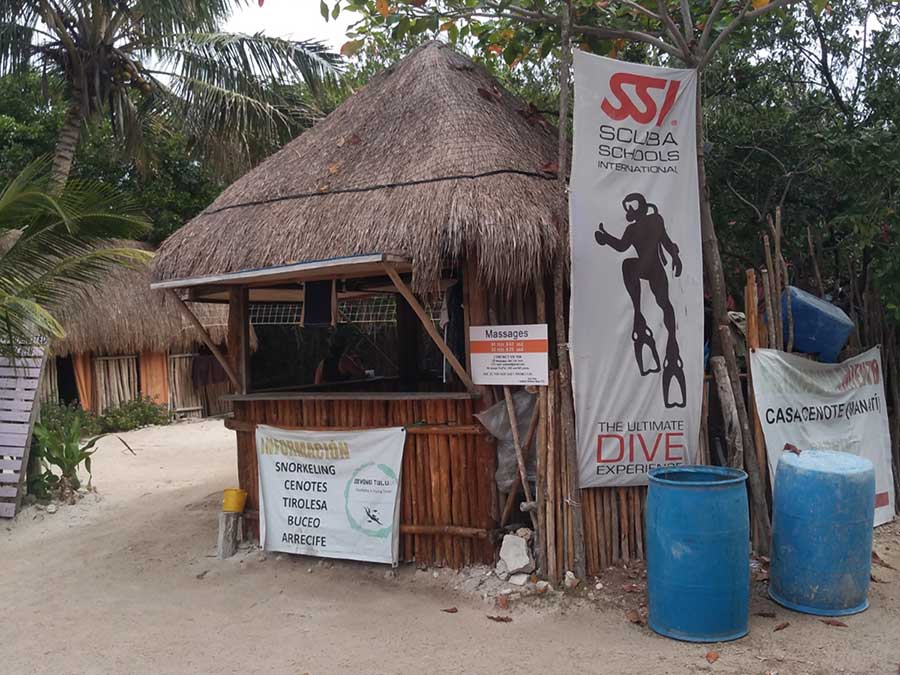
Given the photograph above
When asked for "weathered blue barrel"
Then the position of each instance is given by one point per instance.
(698, 553)
(822, 518)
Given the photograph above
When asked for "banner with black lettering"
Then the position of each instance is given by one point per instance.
(826, 406)
(636, 334)
(333, 494)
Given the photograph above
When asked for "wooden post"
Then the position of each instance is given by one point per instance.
(207, 340)
(428, 325)
(757, 487)
(229, 529)
(729, 411)
(752, 312)
(238, 339)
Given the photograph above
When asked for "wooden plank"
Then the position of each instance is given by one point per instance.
(10, 477)
(351, 396)
(11, 451)
(10, 464)
(18, 384)
(7, 510)
(10, 492)
(207, 340)
(14, 415)
(20, 372)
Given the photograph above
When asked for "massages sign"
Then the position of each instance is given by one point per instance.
(332, 494)
(637, 279)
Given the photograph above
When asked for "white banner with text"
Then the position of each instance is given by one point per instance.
(826, 406)
(333, 494)
(637, 278)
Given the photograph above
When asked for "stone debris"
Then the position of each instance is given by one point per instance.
(571, 581)
(524, 533)
(518, 579)
(515, 553)
(52, 508)
(501, 571)
(543, 586)
(599, 586)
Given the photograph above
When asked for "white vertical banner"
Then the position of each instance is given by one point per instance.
(826, 406)
(637, 278)
(333, 494)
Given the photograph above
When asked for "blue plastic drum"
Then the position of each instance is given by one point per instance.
(822, 532)
(698, 553)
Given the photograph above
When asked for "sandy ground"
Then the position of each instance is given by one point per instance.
(125, 582)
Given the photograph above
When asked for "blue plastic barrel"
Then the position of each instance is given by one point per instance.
(698, 553)
(824, 507)
(819, 327)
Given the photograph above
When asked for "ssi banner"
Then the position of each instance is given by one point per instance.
(330, 494)
(826, 406)
(637, 278)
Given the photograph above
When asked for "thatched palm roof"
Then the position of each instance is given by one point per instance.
(431, 160)
(121, 315)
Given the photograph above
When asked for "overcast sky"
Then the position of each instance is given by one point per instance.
(297, 19)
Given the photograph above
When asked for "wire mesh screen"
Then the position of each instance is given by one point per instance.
(378, 309)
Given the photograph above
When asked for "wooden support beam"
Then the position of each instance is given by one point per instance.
(428, 325)
(207, 340)
(239, 335)
(415, 430)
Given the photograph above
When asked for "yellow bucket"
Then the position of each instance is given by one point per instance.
(233, 500)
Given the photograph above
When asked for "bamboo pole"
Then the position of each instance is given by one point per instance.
(541, 488)
(770, 317)
(814, 257)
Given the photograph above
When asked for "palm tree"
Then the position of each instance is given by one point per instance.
(53, 245)
(161, 62)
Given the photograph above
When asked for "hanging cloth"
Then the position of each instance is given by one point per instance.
(84, 380)
(154, 373)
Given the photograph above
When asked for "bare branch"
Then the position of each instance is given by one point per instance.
(687, 21)
(745, 200)
(743, 18)
(606, 33)
(641, 10)
(707, 27)
(674, 33)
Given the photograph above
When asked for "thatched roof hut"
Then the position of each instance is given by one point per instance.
(432, 160)
(122, 315)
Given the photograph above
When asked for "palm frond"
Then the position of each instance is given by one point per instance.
(55, 247)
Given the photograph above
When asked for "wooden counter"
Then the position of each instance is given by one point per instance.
(447, 490)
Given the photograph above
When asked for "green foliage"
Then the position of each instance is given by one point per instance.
(168, 185)
(56, 415)
(149, 65)
(61, 448)
(51, 248)
(135, 414)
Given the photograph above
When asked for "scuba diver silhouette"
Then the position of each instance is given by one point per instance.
(646, 231)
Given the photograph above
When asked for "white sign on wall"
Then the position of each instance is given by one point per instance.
(509, 355)
(826, 406)
(333, 494)
(637, 278)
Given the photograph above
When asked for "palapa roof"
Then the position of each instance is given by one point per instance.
(431, 160)
(122, 315)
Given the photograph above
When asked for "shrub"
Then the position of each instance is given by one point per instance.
(135, 414)
(61, 416)
(62, 448)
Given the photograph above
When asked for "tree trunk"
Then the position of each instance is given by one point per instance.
(64, 153)
(567, 416)
(712, 260)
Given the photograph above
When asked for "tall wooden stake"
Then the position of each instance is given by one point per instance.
(573, 499)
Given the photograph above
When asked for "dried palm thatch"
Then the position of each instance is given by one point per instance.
(122, 315)
(431, 160)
